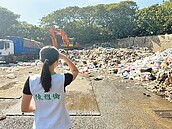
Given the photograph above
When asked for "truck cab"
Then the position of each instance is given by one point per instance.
(6, 49)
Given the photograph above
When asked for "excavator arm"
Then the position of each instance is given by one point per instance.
(53, 37)
(61, 33)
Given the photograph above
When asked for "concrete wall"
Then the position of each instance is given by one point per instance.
(155, 43)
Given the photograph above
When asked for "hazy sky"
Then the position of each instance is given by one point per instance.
(33, 10)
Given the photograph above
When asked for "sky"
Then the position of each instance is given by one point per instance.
(32, 11)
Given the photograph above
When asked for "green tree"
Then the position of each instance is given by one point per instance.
(25, 30)
(121, 17)
(95, 23)
(7, 20)
(167, 6)
(154, 20)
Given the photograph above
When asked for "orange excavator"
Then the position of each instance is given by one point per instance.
(68, 42)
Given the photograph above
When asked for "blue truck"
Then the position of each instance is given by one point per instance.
(14, 49)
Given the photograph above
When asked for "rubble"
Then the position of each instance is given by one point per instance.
(2, 117)
(10, 76)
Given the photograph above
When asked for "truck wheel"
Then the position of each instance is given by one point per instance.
(9, 59)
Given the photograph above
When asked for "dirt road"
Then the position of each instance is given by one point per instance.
(116, 104)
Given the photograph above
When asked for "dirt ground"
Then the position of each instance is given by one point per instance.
(107, 103)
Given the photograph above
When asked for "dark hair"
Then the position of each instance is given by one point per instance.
(48, 55)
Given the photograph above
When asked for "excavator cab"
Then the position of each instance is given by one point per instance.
(72, 42)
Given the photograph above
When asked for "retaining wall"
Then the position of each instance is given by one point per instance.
(155, 43)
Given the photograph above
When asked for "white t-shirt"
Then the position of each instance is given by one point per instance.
(50, 112)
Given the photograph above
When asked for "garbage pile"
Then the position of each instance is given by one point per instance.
(136, 64)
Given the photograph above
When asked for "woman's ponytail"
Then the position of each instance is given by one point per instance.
(48, 55)
(46, 76)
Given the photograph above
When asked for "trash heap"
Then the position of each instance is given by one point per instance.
(154, 69)
(135, 64)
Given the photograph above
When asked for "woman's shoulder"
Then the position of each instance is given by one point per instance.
(58, 75)
(35, 76)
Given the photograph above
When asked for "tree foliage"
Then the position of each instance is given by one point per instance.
(7, 20)
(23, 29)
(10, 26)
(91, 24)
(154, 20)
(95, 23)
